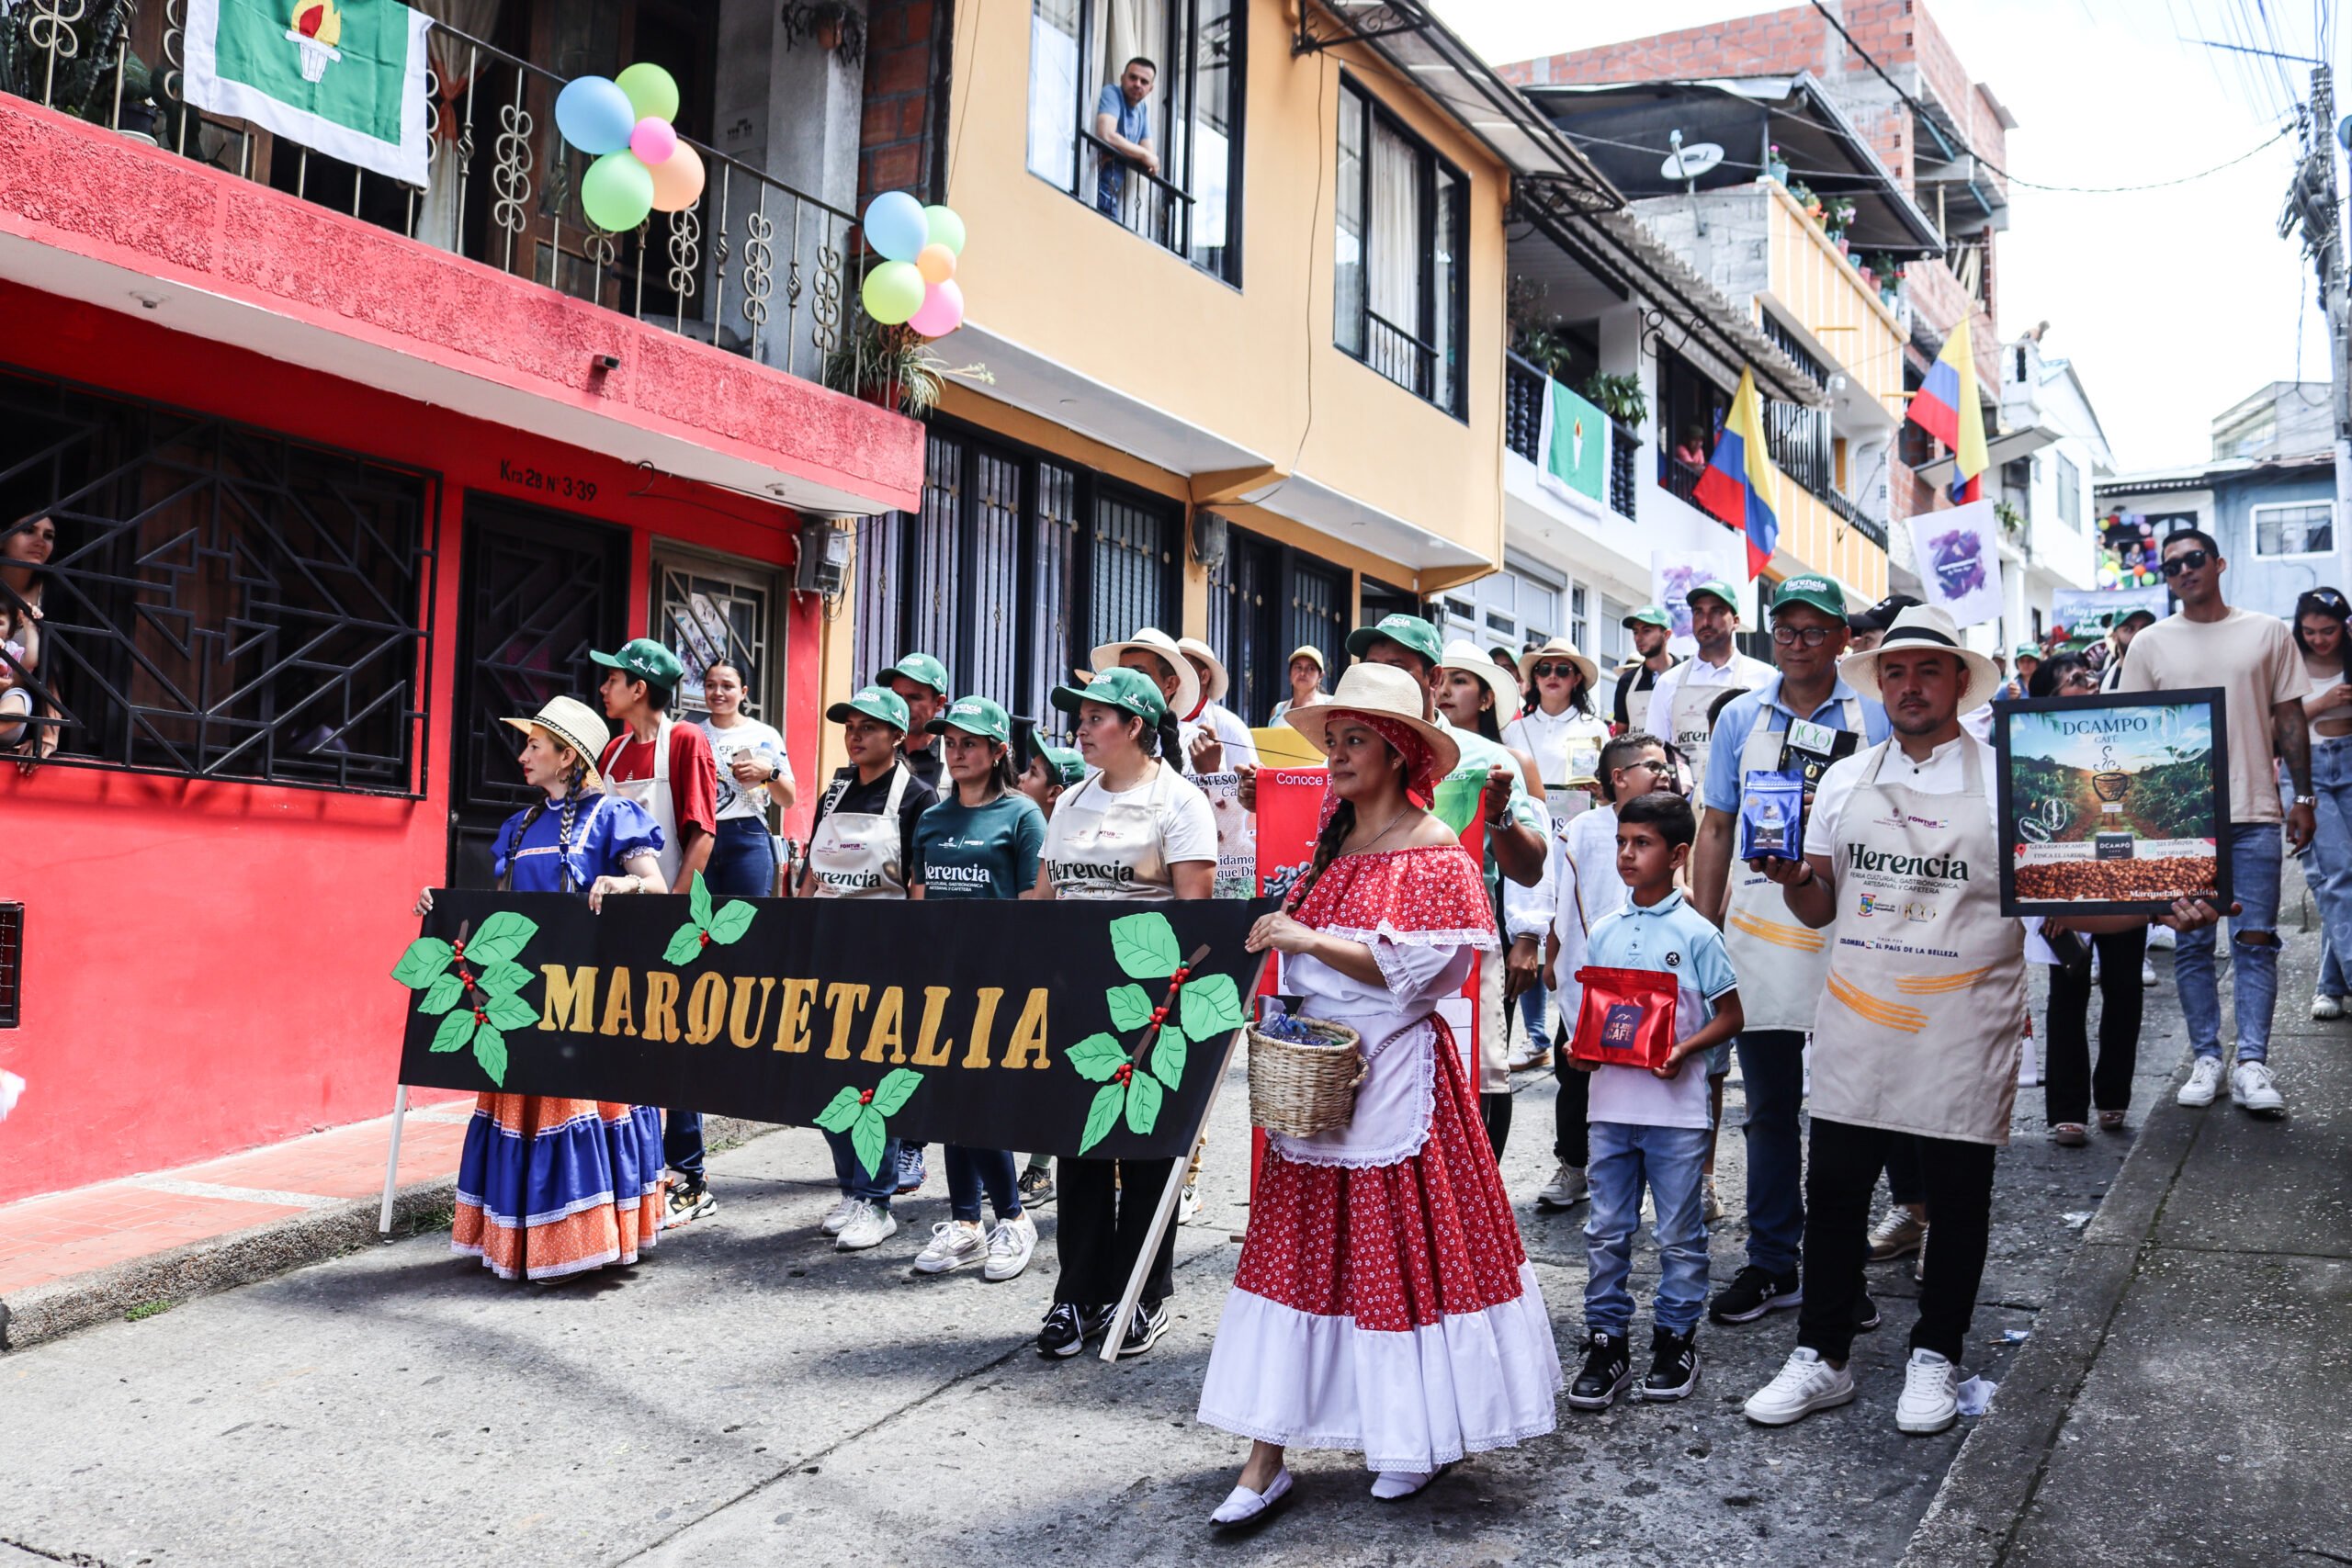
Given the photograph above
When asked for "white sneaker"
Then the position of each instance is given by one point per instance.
(2325, 1007)
(2251, 1087)
(1711, 1208)
(953, 1244)
(1529, 1055)
(1010, 1245)
(1188, 1204)
(1930, 1399)
(1897, 1232)
(2204, 1082)
(1805, 1383)
(840, 1215)
(2163, 939)
(2147, 973)
(870, 1226)
(1566, 1189)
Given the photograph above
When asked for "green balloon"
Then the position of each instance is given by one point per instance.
(947, 229)
(651, 91)
(618, 191)
(893, 291)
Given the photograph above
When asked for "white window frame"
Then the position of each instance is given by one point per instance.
(2254, 529)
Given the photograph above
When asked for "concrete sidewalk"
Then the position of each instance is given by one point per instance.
(2183, 1399)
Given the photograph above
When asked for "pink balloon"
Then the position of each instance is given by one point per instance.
(942, 310)
(653, 141)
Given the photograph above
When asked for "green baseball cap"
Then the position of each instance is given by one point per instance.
(1649, 616)
(642, 659)
(1061, 761)
(920, 668)
(1130, 691)
(1821, 593)
(1409, 631)
(974, 716)
(2027, 650)
(873, 701)
(1716, 588)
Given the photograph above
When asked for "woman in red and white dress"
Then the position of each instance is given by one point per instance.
(1383, 1302)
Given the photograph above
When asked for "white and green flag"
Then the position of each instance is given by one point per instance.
(1572, 444)
(345, 79)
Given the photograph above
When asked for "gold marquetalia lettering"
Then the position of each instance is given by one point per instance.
(1029, 1034)
(742, 1025)
(889, 1018)
(983, 1020)
(620, 1012)
(707, 1010)
(661, 1006)
(792, 1015)
(571, 999)
(929, 1050)
(844, 999)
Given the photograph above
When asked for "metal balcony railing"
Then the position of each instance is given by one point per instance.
(754, 267)
(1523, 395)
(1140, 202)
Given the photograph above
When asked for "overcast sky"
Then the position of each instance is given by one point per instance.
(2174, 304)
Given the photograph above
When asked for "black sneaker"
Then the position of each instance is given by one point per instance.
(1145, 1328)
(1753, 1291)
(1608, 1369)
(1037, 1187)
(1674, 1365)
(1865, 1314)
(690, 1201)
(1065, 1330)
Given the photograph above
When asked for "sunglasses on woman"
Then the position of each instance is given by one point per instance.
(1546, 671)
(2188, 560)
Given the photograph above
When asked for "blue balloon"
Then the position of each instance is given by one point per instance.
(896, 226)
(594, 115)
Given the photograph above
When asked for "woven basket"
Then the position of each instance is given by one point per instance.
(1305, 1086)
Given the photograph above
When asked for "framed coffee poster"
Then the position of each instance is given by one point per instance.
(2112, 805)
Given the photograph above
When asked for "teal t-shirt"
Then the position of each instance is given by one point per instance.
(978, 852)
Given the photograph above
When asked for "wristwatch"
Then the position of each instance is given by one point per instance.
(2310, 800)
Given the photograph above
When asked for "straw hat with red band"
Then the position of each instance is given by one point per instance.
(1924, 628)
(1389, 702)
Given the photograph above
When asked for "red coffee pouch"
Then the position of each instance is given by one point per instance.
(1627, 1018)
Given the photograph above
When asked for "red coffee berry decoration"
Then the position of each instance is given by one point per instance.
(458, 951)
(1159, 1015)
(703, 940)
(866, 1096)
(480, 1017)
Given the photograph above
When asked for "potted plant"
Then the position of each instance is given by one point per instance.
(836, 25)
(894, 367)
(1776, 168)
(1618, 397)
(1801, 193)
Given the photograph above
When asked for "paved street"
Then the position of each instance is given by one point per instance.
(747, 1391)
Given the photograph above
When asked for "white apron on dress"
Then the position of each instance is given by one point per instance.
(1781, 963)
(857, 854)
(1925, 999)
(653, 794)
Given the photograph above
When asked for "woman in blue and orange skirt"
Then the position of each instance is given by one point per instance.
(549, 1186)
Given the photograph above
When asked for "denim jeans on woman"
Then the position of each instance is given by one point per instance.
(2328, 866)
(2255, 849)
(1625, 1158)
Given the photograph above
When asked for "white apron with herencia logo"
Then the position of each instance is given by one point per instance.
(1781, 963)
(1112, 853)
(652, 794)
(858, 854)
(1925, 1008)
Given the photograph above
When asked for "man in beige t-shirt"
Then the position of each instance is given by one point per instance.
(2253, 658)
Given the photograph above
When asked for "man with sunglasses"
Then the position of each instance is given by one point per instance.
(1799, 720)
(2253, 658)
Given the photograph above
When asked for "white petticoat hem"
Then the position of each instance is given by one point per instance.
(1384, 931)
(1410, 1399)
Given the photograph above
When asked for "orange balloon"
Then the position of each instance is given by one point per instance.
(936, 263)
(677, 180)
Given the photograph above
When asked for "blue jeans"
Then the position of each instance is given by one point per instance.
(879, 1188)
(2328, 866)
(1771, 1068)
(682, 1143)
(2255, 850)
(2331, 981)
(1668, 1159)
(969, 1170)
(1531, 1012)
(742, 859)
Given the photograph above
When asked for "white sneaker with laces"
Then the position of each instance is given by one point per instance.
(1931, 1401)
(2204, 1082)
(953, 1244)
(1805, 1383)
(1529, 1054)
(1566, 1189)
(1010, 1245)
(2251, 1087)
(2147, 973)
(870, 1226)
(1897, 1232)
(2324, 1007)
(1188, 1204)
(839, 1215)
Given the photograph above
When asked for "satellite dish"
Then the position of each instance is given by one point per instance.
(1692, 162)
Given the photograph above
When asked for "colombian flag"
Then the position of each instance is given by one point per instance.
(1945, 408)
(1740, 486)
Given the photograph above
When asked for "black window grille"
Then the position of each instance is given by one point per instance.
(1134, 562)
(221, 600)
(12, 964)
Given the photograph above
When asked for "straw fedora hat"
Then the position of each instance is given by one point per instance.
(571, 722)
(1558, 648)
(1469, 658)
(1219, 681)
(1385, 692)
(1924, 626)
(1151, 639)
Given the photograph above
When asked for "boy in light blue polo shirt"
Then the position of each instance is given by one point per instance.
(1649, 1127)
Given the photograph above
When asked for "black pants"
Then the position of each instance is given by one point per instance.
(1493, 1114)
(1105, 1212)
(1840, 1178)
(2070, 1086)
(1906, 1182)
(1571, 1131)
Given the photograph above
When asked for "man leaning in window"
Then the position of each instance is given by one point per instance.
(1122, 122)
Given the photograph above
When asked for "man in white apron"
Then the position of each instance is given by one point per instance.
(1680, 700)
(669, 769)
(1652, 629)
(1918, 1027)
(1798, 720)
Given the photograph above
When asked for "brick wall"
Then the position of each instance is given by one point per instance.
(1792, 40)
(905, 57)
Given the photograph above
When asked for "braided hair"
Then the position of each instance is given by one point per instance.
(573, 780)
